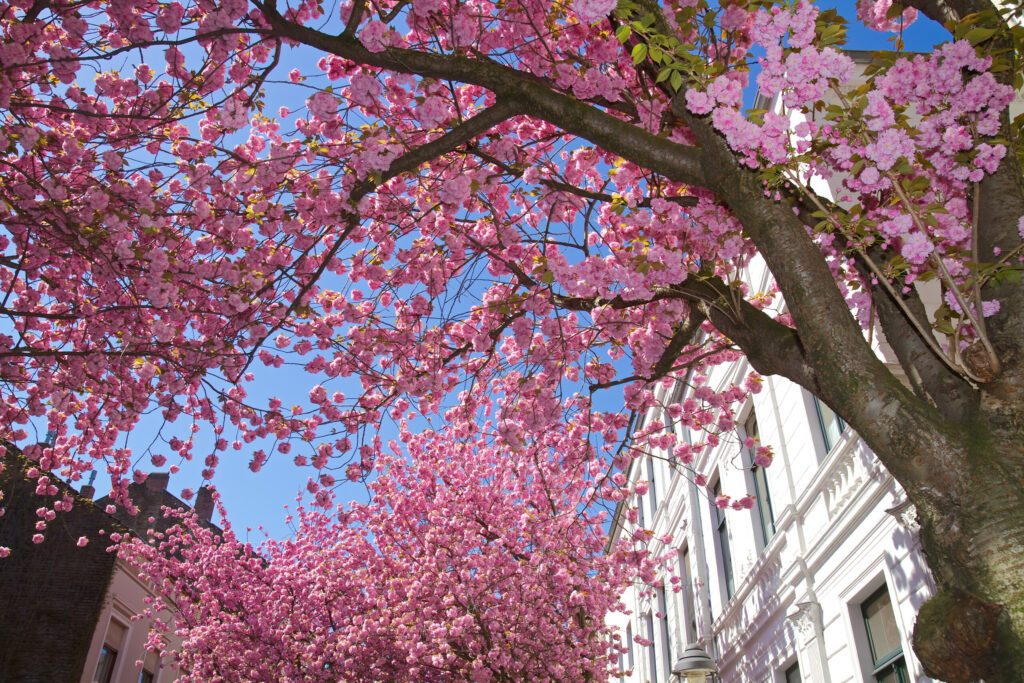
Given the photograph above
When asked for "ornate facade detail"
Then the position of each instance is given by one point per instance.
(806, 619)
(906, 515)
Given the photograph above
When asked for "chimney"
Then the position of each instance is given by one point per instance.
(157, 481)
(204, 504)
(88, 490)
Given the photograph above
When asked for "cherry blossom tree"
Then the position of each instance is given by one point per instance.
(467, 564)
(492, 210)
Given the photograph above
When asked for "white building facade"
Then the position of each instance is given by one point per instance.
(819, 582)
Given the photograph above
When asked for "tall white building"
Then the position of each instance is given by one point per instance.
(820, 581)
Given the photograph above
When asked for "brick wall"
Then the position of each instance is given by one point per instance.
(51, 594)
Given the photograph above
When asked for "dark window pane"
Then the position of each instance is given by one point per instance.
(105, 665)
(652, 488)
(146, 677)
(686, 584)
(880, 622)
(666, 644)
(723, 543)
(652, 656)
(896, 672)
(750, 426)
(832, 426)
(630, 662)
(793, 674)
(889, 677)
(763, 504)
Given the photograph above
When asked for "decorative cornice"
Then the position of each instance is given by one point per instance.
(806, 617)
(905, 514)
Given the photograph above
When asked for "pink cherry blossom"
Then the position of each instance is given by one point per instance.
(590, 11)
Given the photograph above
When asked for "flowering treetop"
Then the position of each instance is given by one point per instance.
(467, 564)
(494, 199)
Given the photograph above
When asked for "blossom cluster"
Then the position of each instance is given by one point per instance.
(469, 562)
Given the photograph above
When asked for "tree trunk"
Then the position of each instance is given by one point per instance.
(974, 628)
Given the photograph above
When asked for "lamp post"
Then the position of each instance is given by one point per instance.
(694, 666)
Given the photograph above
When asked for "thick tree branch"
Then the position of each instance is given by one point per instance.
(951, 394)
(1001, 207)
(771, 347)
(568, 188)
(535, 98)
(854, 382)
(944, 11)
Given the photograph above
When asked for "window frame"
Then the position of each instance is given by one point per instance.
(150, 667)
(689, 610)
(759, 478)
(652, 649)
(630, 655)
(894, 661)
(826, 441)
(663, 627)
(105, 675)
(652, 485)
(721, 528)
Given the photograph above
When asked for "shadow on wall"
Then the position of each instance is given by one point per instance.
(905, 541)
(763, 636)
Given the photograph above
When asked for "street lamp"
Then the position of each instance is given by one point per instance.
(694, 666)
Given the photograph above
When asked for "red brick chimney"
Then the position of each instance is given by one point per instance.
(88, 490)
(204, 504)
(157, 481)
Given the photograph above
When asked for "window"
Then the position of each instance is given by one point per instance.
(793, 674)
(652, 486)
(722, 530)
(108, 653)
(652, 655)
(689, 616)
(831, 425)
(630, 662)
(888, 664)
(149, 668)
(105, 665)
(666, 644)
(763, 499)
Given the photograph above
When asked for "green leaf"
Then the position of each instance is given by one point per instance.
(639, 52)
(676, 80)
(623, 33)
(979, 34)
(1009, 276)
